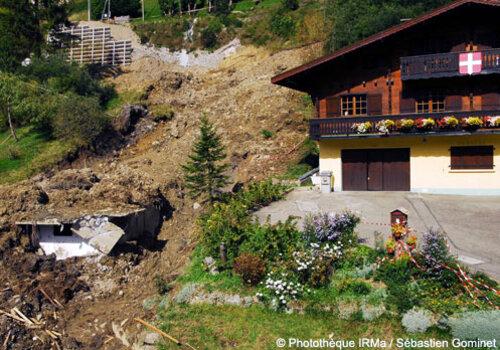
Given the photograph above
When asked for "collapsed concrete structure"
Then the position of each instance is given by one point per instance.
(91, 234)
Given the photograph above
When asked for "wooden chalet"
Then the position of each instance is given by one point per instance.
(415, 107)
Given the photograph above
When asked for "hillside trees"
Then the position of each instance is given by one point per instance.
(23, 26)
(204, 172)
(352, 20)
(118, 8)
(19, 102)
(20, 34)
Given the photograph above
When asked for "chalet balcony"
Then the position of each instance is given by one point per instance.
(435, 124)
(450, 64)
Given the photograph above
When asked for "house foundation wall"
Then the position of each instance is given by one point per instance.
(430, 159)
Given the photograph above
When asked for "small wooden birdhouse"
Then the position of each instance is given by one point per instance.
(399, 216)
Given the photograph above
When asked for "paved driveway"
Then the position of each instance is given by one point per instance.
(472, 223)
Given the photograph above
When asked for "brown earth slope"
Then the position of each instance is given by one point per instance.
(105, 295)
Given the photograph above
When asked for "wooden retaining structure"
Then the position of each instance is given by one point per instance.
(96, 45)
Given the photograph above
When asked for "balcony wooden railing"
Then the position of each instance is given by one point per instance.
(343, 127)
(445, 65)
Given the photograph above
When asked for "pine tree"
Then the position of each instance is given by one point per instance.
(204, 172)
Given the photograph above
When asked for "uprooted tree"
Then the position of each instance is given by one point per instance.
(204, 172)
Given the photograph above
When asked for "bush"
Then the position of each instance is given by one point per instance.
(250, 267)
(329, 227)
(290, 4)
(280, 288)
(169, 7)
(435, 250)
(417, 320)
(161, 113)
(282, 24)
(229, 222)
(79, 120)
(14, 152)
(267, 134)
(314, 264)
(476, 325)
(168, 33)
(209, 35)
(271, 242)
(162, 286)
(355, 287)
(186, 293)
(62, 76)
(371, 312)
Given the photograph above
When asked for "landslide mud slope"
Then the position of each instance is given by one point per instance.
(107, 294)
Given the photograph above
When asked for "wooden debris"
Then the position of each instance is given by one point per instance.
(162, 333)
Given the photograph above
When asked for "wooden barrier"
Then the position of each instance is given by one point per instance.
(96, 45)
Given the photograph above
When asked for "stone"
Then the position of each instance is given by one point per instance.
(130, 115)
(152, 338)
(196, 206)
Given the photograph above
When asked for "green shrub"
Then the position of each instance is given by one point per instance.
(282, 24)
(355, 287)
(267, 134)
(229, 222)
(161, 113)
(484, 325)
(14, 152)
(271, 242)
(167, 33)
(79, 120)
(398, 272)
(290, 4)
(209, 35)
(250, 267)
(162, 286)
(169, 7)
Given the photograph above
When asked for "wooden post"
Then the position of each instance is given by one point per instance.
(142, 10)
(223, 254)
(11, 124)
(89, 12)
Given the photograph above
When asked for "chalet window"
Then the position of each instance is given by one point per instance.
(429, 105)
(472, 157)
(353, 105)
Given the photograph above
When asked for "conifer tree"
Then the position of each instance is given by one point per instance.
(204, 172)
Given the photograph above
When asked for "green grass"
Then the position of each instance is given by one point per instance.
(35, 152)
(224, 281)
(247, 5)
(222, 327)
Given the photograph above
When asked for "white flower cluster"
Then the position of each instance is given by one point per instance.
(307, 259)
(281, 290)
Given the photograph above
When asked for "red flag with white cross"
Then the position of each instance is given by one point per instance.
(471, 63)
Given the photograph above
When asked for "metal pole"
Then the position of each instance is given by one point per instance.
(89, 12)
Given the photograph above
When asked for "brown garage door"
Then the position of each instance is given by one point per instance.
(385, 169)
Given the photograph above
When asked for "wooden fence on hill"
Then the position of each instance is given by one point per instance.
(96, 45)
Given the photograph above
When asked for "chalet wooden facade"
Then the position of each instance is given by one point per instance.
(415, 107)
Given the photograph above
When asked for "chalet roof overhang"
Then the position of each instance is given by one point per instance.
(298, 78)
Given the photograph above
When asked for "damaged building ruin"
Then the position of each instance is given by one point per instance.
(90, 235)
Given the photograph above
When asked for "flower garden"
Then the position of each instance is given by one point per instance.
(321, 271)
(406, 125)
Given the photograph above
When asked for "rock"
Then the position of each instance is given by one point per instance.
(152, 338)
(174, 131)
(211, 265)
(196, 206)
(130, 115)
